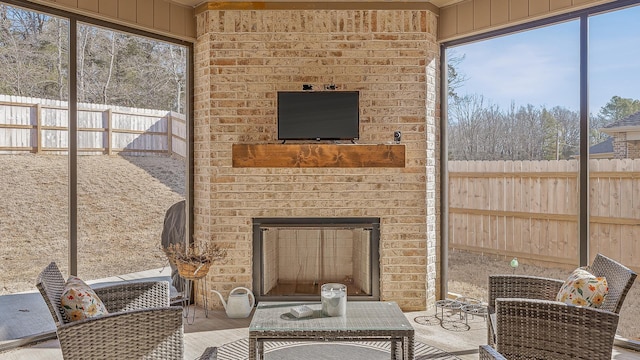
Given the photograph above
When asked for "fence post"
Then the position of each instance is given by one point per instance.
(38, 128)
(170, 133)
(109, 132)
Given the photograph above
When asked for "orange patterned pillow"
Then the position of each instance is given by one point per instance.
(583, 289)
(79, 301)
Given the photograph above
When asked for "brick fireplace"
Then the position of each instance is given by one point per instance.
(388, 52)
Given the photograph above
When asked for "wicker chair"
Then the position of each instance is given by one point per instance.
(526, 322)
(140, 323)
(489, 353)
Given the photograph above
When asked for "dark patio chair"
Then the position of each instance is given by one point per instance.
(526, 322)
(140, 323)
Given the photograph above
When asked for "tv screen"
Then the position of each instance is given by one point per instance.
(318, 115)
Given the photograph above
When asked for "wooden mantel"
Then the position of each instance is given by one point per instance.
(318, 155)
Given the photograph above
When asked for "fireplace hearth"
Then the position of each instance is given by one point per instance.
(293, 257)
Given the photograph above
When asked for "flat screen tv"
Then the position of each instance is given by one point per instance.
(318, 115)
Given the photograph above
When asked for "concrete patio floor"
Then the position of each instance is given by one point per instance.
(26, 314)
(217, 330)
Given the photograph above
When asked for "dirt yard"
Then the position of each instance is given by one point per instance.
(469, 274)
(121, 207)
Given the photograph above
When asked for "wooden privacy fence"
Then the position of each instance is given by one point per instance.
(42, 126)
(529, 209)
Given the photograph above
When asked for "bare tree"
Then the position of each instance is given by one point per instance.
(113, 68)
(465, 123)
(112, 59)
(61, 58)
(479, 130)
(178, 72)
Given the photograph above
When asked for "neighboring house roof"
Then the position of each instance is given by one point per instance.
(603, 147)
(603, 150)
(631, 122)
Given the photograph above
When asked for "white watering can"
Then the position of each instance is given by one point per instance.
(238, 305)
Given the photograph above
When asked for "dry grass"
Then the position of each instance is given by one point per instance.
(469, 274)
(121, 206)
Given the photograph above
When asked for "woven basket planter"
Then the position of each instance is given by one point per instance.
(193, 271)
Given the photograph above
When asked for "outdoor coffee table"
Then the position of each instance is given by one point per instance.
(364, 321)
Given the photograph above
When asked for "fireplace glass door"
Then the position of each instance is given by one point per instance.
(295, 259)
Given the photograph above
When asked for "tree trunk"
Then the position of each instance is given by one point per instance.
(110, 72)
(61, 82)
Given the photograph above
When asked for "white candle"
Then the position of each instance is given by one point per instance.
(334, 299)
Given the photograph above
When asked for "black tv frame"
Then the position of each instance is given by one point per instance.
(315, 110)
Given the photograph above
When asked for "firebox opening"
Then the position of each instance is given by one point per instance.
(294, 257)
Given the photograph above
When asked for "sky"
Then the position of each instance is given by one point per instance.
(541, 66)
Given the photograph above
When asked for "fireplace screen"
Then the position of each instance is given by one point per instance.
(294, 257)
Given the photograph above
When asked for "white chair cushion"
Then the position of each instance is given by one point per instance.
(79, 301)
(583, 289)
